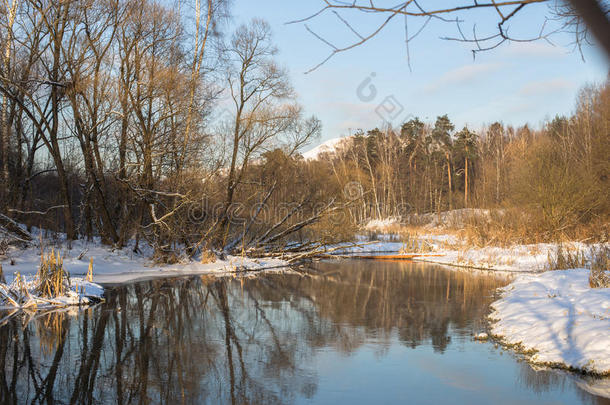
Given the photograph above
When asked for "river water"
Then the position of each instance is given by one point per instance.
(341, 332)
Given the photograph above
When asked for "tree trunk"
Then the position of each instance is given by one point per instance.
(450, 198)
(5, 127)
(466, 182)
(4, 154)
(498, 176)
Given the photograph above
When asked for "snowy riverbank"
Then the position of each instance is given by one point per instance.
(22, 293)
(558, 318)
(112, 266)
(448, 249)
(553, 316)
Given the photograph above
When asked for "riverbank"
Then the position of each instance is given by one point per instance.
(554, 317)
(448, 249)
(116, 266)
(557, 319)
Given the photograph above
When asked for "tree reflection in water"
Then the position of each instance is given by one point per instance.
(228, 340)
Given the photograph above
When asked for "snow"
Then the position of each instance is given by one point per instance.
(450, 250)
(381, 224)
(559, 316)
(80, 292)
(597, 386)
(113, 266)
(329, 146)
(518, 258)
(232, 264)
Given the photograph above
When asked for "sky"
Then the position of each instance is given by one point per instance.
(516, 83)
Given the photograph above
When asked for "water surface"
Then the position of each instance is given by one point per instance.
(343, 332)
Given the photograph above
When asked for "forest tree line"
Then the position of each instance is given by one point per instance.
(546, 184)
(141, 120)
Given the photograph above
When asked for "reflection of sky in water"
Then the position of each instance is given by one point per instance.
(349, 332)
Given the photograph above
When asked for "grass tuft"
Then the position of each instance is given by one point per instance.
(207, 256)
(599, 275)
(53, 280)
(564, 259)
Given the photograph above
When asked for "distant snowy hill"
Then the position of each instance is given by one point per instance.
(329, 146)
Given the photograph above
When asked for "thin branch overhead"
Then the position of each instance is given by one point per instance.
(504, 11)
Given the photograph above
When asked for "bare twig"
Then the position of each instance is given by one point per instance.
(591, 11)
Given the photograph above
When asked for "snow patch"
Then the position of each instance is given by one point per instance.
(381, 224)
(560, 317)
(22, 294)
(329, 146)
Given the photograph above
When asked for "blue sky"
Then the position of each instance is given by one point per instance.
(516, 83)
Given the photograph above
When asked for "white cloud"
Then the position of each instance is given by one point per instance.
(534, 49)
(546, 87)
(462, 75)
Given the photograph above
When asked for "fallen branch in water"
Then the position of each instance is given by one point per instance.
(298, 253)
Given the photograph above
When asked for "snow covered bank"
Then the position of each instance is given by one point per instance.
(553, 316)
(519, 258)
(231, 265)
(21, 294)
(112, 266)
(559, 317)
(449, 249)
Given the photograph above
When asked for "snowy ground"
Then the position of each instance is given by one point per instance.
(448, 249)
(520, 258)
(22, 295)
(121, 266)
(557, 315)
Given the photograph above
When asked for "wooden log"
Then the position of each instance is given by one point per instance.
(394, 257)
(14, 229)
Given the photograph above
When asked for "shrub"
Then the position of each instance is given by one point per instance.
(599, 275)
(207, 256)
(413, 244)
(564, 259)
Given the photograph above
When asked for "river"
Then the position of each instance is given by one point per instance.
(356, 332)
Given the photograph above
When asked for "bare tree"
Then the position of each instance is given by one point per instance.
(10, 10)
(263, 99)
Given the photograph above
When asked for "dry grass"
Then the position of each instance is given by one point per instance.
(599, 276)
(207, 256)
(411, 243)
(522, 225)
(565, 258)
(502, 228)
(4, 245)
(90, 271)
(52, 278)
(51, 331)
